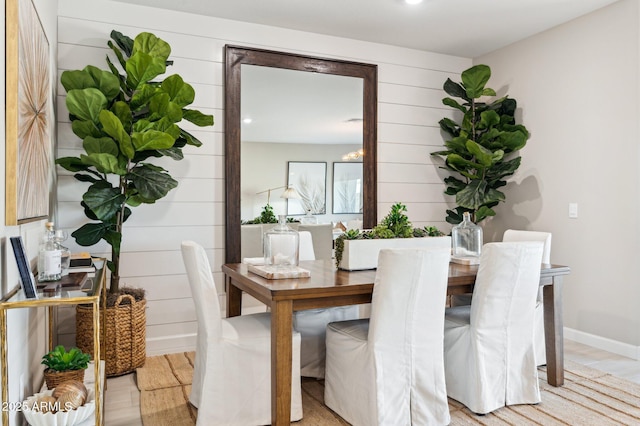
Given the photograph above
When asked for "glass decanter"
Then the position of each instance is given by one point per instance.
(281, 246)
(466, 238)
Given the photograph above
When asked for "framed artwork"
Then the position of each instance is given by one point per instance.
(29, 157)
(26, 277)
(309, 179)
(347, 187)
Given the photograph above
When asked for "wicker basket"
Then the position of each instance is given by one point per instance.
(125, 341)
(53, 378)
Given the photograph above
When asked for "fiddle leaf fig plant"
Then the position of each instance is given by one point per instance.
(126, 117)
(480, 151)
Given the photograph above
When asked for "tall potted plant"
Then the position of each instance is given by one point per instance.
(480, 151)
(126, 118)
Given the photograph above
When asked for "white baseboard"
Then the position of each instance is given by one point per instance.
(603, 343)
(184, 342)
(171, 344)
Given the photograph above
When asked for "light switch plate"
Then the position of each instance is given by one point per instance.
(573, 210)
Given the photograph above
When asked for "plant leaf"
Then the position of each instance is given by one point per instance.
(118, 53)
(114, 128)
(513, 141)
(197, 118)
(180, 93)
(72, 164)
(161, 107)
(454, 104)
(189, 138)
(153, 46)
(86, 104)
(114, 239)
(152, 139)
(476, 194)
(461, 165)
(103, 202)
(455, 89)
(123, 112)
(482, 155)
(84, 128)
(125, 43)
(89, 233)
(474, 79)
(483, 212)
(173, 152)
(166, 126)
(152, 182)
(449, 126)
(142, 68)
(488, 119)
(104, 163)
(91, 77)
(100, 145)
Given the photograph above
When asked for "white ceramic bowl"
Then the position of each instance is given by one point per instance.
(59, 418)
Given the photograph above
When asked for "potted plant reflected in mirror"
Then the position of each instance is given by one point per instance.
(63, 365)
(356, 250)
(127, 117)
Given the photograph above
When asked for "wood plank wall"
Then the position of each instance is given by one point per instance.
(409, 107)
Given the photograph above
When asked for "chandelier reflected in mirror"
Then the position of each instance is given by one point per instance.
(353, 155)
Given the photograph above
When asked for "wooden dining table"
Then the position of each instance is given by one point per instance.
(328, 286)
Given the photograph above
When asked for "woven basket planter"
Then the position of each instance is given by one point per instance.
(125, 340)
(53, 378)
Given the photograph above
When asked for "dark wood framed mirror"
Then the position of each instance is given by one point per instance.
(235, 57)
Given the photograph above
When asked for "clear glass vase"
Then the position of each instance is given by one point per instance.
(281, 246)
(466, 238)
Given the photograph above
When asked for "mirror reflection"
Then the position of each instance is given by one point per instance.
(303, 131)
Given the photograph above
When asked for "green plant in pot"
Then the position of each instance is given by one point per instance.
(63, 365)
(480, 151)
(127, 117)
(395, 224)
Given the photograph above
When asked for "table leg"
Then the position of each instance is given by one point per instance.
(234, 298)
(553, 331)
(281, 360)
(4, 370)
(96, 363)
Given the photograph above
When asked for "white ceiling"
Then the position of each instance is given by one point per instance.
(467, 28)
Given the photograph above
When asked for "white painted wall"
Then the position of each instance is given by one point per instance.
(577, 88)
(26, 327)
(409, 108)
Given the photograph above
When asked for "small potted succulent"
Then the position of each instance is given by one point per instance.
(63, 365)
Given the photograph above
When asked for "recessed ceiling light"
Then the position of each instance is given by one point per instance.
(247, 120)
(413, 1)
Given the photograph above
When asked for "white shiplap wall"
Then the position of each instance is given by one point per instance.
(409, 107)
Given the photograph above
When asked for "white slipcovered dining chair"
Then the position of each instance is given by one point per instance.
(312, 323)
(388, 370)
(513, 235)
(488, 346)
(232, 371)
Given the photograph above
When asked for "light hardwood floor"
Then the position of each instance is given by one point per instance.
(122, 399)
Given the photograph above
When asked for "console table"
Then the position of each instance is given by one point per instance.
(90, 293)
